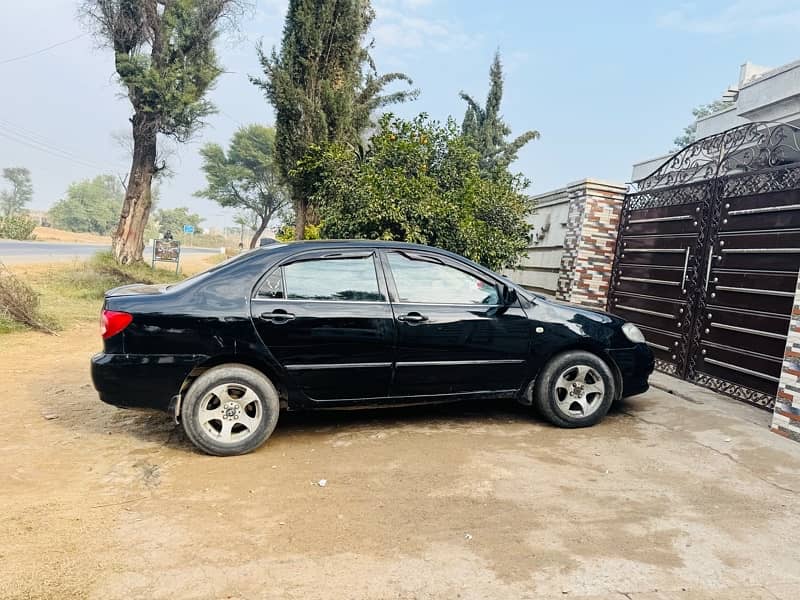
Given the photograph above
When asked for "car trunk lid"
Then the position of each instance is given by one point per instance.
(137, 289)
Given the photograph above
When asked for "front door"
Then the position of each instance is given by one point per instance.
(325, 317)
(453, 336)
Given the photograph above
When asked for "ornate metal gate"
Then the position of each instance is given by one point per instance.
(708, 255)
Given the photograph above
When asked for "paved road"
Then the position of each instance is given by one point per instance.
(15, 251)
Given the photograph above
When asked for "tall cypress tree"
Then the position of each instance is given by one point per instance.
(485, 130)
(323, 84)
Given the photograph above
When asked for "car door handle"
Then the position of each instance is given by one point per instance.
(277, 316)
(412, 317)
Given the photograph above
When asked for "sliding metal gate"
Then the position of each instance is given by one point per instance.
(708, 255)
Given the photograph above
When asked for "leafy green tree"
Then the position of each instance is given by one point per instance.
(323, 84)
(419, 182)
(173, 220)
(689, 135)
(247, 177)
(91, 205)
(13, 200)
(485, 130)
(165, 60)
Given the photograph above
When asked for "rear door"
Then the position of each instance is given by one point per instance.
(326, 318)
(453, 336)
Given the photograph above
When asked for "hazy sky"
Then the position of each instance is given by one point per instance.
(606, 83)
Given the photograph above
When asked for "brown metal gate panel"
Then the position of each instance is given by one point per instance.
(707, 259)
(755, 255)
(662, 233)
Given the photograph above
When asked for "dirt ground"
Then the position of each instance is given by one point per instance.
(665, 499)
(51, 234)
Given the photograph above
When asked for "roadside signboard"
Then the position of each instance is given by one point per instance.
(188, 229)
(167, 251)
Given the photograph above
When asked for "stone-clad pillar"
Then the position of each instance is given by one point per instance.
(786, 416)
(590, 241)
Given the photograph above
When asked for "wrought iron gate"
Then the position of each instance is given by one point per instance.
(708, 255)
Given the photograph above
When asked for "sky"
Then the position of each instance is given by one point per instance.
(607, 84)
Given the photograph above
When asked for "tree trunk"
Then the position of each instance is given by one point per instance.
(300, 206)
(127, 242)
(259, 231)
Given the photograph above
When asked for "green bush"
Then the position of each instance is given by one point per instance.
(420, 182)
(286, 233)
(17, 227)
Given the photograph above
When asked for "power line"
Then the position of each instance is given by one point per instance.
(30, 142)
(38, 138)
(39, 143)
(42, 50)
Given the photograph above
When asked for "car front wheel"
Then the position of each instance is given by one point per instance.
(230, 409)
(575, 389)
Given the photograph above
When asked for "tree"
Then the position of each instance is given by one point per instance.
(173, 220)
(165, 60)
(485, 130)
(12, 201)
(420, 182)
(690, 131)
(323, 84)
(247, 177)
(91, 205)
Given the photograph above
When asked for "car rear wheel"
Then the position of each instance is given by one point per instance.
(231, 409)
(575, 389)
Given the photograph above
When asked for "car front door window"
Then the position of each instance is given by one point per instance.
(451, 337)
(420, 281)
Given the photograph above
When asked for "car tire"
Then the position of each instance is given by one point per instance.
(229, 410)
(574, 389)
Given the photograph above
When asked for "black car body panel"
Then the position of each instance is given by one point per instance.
(371, 346)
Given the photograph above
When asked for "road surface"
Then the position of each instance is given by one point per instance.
(16, 251)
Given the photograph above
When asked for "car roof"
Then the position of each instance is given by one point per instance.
(302, 245)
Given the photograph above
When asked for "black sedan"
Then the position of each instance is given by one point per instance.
(354, 323)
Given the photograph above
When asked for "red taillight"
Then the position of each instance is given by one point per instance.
(112, 322)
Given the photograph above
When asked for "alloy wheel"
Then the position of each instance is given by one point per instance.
(230, 413)
(579, 391)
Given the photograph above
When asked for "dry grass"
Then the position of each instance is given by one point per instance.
(72, 292)
(20, 303)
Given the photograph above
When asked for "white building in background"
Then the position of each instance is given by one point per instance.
(761, 94)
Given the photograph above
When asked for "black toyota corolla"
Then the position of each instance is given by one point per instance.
(354, 323)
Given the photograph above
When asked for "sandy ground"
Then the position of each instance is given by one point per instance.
(51, 234)
(665, 499)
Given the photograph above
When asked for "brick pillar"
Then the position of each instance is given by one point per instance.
(592, 223)
(786, 416)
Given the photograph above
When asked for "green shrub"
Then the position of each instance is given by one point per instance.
(17, 227)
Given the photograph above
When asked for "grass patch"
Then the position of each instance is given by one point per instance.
(70, 293)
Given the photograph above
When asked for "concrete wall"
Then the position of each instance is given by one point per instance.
(539, 270)
(719, 122)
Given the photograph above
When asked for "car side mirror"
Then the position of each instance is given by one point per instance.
(508, 295)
